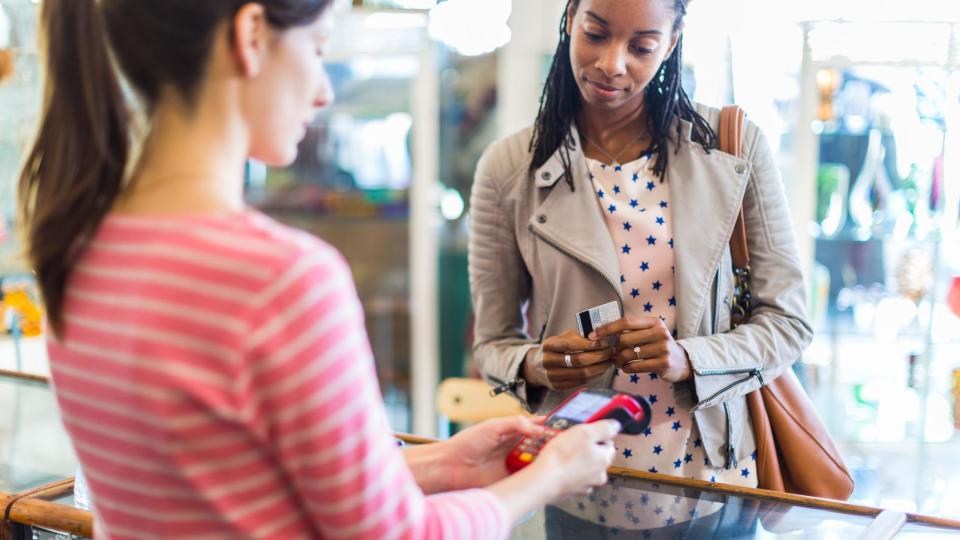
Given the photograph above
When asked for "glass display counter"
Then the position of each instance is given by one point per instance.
(738, 513)
(721, 511)
(36, 493)
(34, 448)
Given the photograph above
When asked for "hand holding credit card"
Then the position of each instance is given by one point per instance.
(570, 360)
(589, 320)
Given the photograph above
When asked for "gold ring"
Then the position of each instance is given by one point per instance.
(637, 351)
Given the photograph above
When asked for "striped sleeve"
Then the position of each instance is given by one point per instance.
(312, 394)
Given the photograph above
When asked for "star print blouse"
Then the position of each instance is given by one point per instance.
(636, 208)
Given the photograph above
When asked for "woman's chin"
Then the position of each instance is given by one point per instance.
(278, 158)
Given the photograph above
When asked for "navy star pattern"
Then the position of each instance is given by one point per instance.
(672, 443)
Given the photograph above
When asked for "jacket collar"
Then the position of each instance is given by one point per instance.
(550, 172)
(706, 193)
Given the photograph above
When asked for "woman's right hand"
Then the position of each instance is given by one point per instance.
(572, 463)
(547, 365)
(577, 459)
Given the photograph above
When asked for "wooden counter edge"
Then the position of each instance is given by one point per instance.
(59, 517)
(32, 377)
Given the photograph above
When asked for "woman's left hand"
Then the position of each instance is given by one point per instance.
(478, 454)
(645, 345)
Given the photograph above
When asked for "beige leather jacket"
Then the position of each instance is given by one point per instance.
(540, 252)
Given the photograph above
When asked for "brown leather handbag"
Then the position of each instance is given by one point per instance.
(795, 452)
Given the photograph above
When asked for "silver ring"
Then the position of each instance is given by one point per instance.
(567, 360)
(637, 351)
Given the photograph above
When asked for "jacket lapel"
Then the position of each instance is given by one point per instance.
(570, 220)
(706, 194)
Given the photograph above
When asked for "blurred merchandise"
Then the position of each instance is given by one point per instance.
(915, 274)
(819, 294)
(912, 370)
(7, 56)
(7, 64)
(955, 391)
(833, 185)
(827, 82)
(953, 296)
(20, 309)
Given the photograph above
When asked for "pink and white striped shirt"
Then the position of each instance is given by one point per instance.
(215, 377)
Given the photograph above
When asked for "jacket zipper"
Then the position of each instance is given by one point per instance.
(502, 385)
(731, 461)
(716, 302)
(588, 263)
(753, 372)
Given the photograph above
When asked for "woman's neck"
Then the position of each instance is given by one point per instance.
(619, 133)
(192, 162)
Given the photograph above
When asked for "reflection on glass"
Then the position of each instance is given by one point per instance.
(34, 448)
(630, 508)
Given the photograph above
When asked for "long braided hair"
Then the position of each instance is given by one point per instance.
(665, 100)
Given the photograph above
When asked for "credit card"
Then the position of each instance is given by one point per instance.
(590, 319)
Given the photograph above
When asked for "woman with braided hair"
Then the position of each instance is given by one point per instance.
(618, 192)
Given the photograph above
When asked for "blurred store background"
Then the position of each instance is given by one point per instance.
(861, 100)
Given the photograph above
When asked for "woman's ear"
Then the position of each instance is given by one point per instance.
(674, 39)
(250, 38)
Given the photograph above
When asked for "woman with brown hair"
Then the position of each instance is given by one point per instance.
(211, 365)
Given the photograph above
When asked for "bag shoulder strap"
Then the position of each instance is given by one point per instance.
(731, 128)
